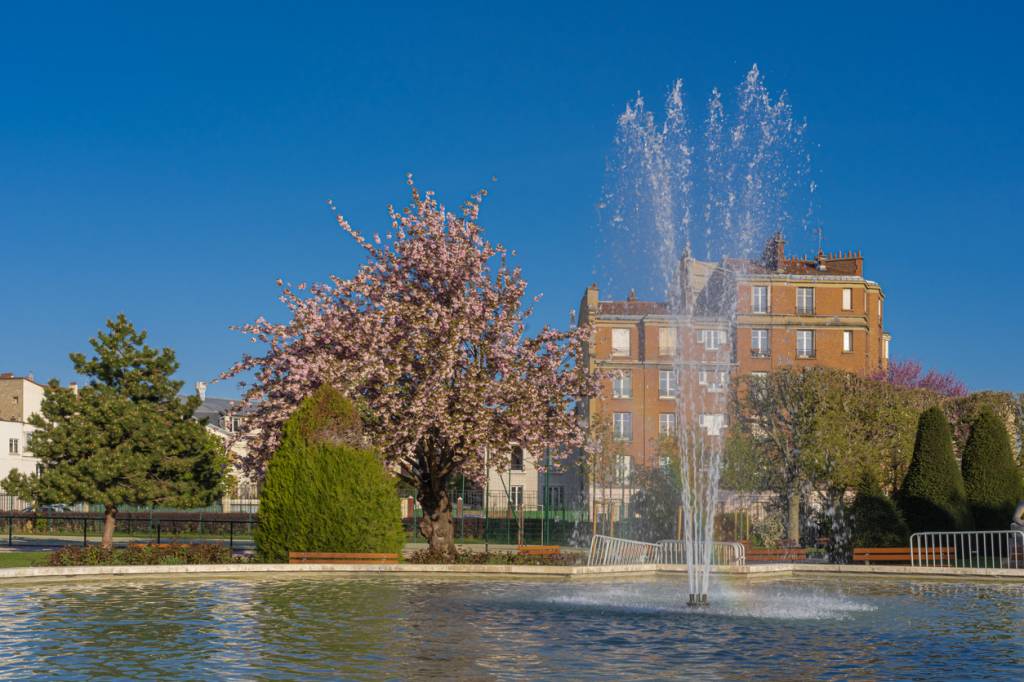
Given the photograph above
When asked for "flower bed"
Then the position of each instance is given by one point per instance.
(141, 555)
(428, 556)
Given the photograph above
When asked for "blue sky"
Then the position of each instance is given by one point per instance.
(172, 163)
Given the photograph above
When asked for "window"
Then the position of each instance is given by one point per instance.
(554, 497)
(623, 468)
(759, 299)
(666, 423)
(847, 299)
(714, 380)
(620, 342)
(12, 446)
(515, 496)
(667, 387)
(712, 423)
(847, 341)
(711, 338)
(885, 348)
(759, 347)
(667, 341)
(622, 384)
(805, 301)
(664, 462)
(805, 343)
(622, 426)
(516, 460)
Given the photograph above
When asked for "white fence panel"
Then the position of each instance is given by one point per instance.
(968, 549)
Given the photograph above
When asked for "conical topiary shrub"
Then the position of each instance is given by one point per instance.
(932, 496)
(328, 496)
(877, 521)
(991, 479)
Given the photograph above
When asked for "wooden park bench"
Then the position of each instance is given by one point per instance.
(901, 555)
(781, 555)
(342, 558)
(539, 550)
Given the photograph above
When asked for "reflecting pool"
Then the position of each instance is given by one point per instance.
(379, 627)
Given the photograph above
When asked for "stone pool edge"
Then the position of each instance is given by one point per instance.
(563, 572)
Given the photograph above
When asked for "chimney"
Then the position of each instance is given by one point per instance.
(775, 252)
(74, 387)
(7, 375)
(201, 390)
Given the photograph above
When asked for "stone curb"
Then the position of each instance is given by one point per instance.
(753, 570)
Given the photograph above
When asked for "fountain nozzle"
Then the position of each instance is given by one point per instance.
(698, 600)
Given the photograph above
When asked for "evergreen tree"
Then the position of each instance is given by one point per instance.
(991, 478)
(125, 438)
(932, 497)
(323, 493)
(877, 521)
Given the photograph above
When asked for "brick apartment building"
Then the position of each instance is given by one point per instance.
(789, 312)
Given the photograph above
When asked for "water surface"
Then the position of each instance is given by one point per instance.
(380, 627)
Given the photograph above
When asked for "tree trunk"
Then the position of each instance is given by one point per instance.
(794, 519)
(109, 520)
(436, 522)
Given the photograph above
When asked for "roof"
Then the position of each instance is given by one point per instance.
(217, 407)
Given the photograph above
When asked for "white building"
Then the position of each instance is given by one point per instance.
(20, 397)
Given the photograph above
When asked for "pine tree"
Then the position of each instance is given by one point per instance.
(991, 479)
(125, 438)
(323, 493)
(932, 497)
(877, 521)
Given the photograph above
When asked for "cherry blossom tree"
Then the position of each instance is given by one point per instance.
(429, 338)
(910, 374)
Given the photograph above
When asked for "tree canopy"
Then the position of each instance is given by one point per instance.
(430, 336)
(126, 437)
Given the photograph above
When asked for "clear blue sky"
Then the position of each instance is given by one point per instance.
(171, 163)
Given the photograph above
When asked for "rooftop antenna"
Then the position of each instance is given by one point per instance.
(821, 254)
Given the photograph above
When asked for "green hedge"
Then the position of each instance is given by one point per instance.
(932, 496)
(991, 478)
(877, 521)
(325, 496)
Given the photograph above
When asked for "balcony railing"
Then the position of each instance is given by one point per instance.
(805, 353)
(760, 352)
(805, 309)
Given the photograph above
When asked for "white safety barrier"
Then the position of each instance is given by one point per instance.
(722, 553)
(608, 551)
(968, 549)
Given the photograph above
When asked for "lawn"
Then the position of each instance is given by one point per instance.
(21, 559)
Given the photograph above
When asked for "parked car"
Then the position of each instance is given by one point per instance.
(57, 507)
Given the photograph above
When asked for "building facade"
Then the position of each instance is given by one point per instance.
(734, 318)
(20, 398)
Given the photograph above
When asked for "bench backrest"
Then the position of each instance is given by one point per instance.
(539, 550)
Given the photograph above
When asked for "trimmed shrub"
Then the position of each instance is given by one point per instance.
(877, 521)
(328, 496)
(932, 497)
(991, 479)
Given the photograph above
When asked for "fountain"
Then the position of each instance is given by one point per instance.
(667, 199)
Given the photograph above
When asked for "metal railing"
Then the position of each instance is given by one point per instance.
(609, 551)
(722, 553)
(47, 530)
(968, 549)
(760, 352)
(806, 353)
